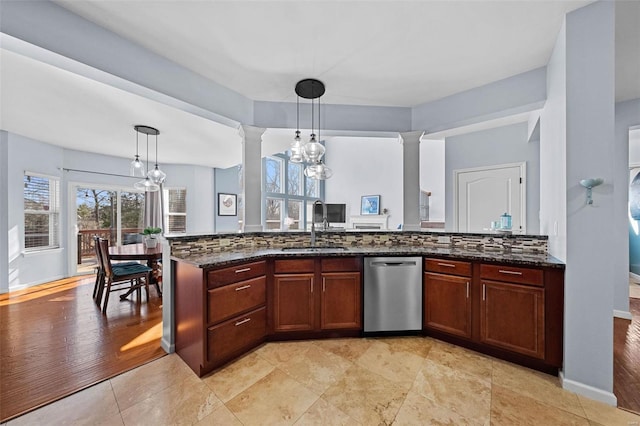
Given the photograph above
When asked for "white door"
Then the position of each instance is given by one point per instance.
(484, 194)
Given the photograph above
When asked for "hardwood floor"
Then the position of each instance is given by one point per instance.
(55, 341)
(626, 359)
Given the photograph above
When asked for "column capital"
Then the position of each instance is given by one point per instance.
(411, 137)
(250, 133)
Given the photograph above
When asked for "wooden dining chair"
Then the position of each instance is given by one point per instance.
(117, 277)
(99, 284)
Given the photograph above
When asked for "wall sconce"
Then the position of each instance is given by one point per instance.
(589, 184)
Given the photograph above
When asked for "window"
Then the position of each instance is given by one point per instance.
(41, 212)
(287, 193)
(175, 208)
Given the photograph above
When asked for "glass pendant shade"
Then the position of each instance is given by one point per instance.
(297, 155)
(318, 171)
(137, 168)
(156, 175)
(146, 185)
(313, 150)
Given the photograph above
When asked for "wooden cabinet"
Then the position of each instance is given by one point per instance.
(447, 296)
(293, 306)
(512, 310)
(220, 313)
(317, 294)
(341, 301)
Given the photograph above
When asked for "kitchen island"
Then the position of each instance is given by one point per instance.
(500, 295)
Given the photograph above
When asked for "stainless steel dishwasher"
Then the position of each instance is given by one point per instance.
(392, 294)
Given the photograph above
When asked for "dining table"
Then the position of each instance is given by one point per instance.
(140, 251)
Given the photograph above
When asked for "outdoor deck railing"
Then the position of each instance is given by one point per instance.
(85, 239)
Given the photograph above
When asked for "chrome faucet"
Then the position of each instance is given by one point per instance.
(325, 222)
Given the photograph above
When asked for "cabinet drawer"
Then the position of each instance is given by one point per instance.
(340, 264)
(228, 337)
(445, 266)
(230, 300)
(233, 274)
(512, 274)
(287, 266)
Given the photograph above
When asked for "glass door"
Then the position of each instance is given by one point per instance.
(108, 213)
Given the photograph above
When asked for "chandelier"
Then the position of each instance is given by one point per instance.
(310, 152)
(153, 178)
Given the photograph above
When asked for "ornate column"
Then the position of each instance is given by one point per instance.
(411, 179)
(252, 176)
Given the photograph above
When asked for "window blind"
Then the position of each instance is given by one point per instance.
(41, 212)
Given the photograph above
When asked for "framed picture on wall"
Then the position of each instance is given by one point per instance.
(227, 204)
(370, 204)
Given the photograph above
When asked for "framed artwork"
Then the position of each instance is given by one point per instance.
(227, 204)
(370, 204)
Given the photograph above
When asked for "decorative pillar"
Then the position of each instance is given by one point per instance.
(251, 177)
(411, 179)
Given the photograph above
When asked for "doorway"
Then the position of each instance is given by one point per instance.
(483, 194)
(108, 212)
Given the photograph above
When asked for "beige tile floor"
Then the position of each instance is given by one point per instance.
(401, 380)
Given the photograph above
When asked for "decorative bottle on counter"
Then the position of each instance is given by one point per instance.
(505, 221)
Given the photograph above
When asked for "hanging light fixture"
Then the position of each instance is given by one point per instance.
(312, 151)
(137, 167)
(147, 184)
(157, 175)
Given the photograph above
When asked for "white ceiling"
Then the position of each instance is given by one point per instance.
(367, 53)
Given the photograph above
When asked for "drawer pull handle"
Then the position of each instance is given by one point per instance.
(484, 292)
(467, 289)
(242, 270)
(448, 265)
(244, 287)
(243, 321)
(502, 271)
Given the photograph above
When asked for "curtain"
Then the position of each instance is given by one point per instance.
(153, 209)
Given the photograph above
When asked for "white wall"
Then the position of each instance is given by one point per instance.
(432, 176)
(553, 152)
(579, 118)
(25, 154)
(500, 145)
(365, 166)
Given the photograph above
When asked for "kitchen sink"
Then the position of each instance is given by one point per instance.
(314, 248)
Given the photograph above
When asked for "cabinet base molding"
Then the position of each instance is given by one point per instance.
(307, 335)
(515, 358)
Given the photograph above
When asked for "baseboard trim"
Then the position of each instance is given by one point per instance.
(622, 314)
(168, 348)
(35, 283)
(588, 391)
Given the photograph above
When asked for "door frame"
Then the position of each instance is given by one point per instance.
(72, 218)
(523, 201)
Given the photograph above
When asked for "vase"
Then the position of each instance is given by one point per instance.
(150, 242)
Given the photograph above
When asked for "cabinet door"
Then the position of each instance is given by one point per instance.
(293, 302)
(341, 301)
(512, 317)
(447, 303)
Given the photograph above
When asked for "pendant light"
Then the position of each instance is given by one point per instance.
(146, 184)
(312, 151)
(157, 175)
(137, 167)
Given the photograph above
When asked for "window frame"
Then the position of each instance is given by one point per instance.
(284, 196)
(168, 213)
(54, 211)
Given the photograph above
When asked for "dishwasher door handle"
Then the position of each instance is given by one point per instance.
(393, 263)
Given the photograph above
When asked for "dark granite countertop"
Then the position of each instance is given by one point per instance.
(250, 254)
